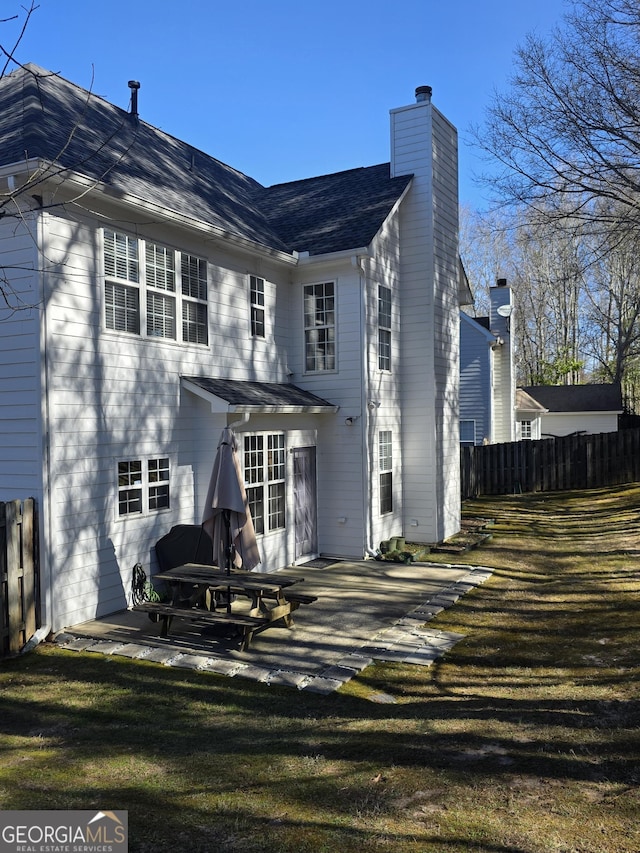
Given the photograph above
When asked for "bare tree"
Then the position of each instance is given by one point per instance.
(80, 149)
(613, 314)
(544, 268)
(566, 136)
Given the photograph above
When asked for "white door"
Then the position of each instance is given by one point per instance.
(304, 495)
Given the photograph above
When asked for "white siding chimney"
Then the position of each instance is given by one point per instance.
(503, 375)
(425, 145)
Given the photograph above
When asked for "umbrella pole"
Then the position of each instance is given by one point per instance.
(227, 553)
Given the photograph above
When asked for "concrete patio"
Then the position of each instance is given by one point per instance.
(365, 611)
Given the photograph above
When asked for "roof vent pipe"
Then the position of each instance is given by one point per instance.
(134, 86)
(423, 93)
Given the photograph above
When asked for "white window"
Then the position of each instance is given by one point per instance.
(143, 486)
(384, 328)
(468, 432)
(256, 288)
(525, 430)
(193, 275)
(385, 459)
(319, 327)
(149, 286)
(264, 474)
(122, 301)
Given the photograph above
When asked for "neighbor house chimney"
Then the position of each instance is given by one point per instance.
(423, 93)
(134, 86)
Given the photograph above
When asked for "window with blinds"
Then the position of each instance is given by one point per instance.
(384, 328)
(385, 462)
(153, 290)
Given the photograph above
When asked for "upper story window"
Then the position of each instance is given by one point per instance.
(319, 327)
(467, 432)
(384, 328)
(256, 289)
(154, 288)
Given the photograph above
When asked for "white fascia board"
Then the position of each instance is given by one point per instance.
(89, 187)
(284, 410)
(588, 412)
(305, 259)
(478, 327)
(220, 406)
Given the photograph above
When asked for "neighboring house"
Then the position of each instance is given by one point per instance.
(174, 295)
(528, 417)
(555, 410)
(487, 374)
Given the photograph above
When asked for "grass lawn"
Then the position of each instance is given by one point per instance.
(523, 738)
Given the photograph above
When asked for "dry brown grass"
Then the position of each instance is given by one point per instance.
(524, 738)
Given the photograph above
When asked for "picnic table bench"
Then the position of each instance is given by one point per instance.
(194, 587)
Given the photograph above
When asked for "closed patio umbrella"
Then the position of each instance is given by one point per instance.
(227, 517)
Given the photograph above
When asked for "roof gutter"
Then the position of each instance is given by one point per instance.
(84, 186)
(304, 258)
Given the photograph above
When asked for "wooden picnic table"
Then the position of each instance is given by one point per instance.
(196, 589)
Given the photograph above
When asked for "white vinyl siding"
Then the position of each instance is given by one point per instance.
(21, 396)
(424, 145)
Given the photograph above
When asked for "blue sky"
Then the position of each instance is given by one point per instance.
(287, 89)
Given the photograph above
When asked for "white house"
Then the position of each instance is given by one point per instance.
(487, 373)
(163, 295)
(544, 411)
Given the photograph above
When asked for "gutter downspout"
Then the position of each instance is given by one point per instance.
(366, 444)
(45, 523)
(241, 421)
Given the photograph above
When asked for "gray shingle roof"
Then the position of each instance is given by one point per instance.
(46, 117)
(577, 398)
(259, 394)
(335, 212)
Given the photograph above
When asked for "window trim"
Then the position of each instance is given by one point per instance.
(334, 326)
(257, 309)
(148, 484)
(529, 423)
(157, 277)
(269, 458)
(384, 328)
(385, 471)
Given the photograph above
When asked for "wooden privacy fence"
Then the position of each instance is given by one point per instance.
(18, 574)
(551, 464)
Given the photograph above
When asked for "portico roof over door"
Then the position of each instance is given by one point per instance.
(235, 396)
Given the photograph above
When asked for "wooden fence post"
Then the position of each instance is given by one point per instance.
(18, 575)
